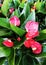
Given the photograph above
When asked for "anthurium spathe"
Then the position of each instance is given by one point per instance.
(8, 43)
(32, 29)
(27, 43)
(15, 21)
(35, 46)
(29, 35)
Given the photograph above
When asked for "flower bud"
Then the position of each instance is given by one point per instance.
(11, 10)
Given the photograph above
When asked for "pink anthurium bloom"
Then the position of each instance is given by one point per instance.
(15, 21)
(31, 27)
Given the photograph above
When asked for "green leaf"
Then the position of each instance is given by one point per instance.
(30, 1)
(4, 51)
(16, 13)
(4, 23)
(16, 3)
(1, 40)
(26, 10)
(11, 58)
(18, 57)
(5, 7)
(42, 35)
(2, 60)
(30, 17)
(21, 5)
(28, 60)
(5, 33)
(41, 8)
(18, 30)
(44, 63)
(38, 7)
(23, 1)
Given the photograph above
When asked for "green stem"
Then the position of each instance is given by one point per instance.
(14, 57)
(11, 58)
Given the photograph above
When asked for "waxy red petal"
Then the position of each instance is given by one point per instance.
(27, 43)
(8, 43)
(36, 46)
(29, 35)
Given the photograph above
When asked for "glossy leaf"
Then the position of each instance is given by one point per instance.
(4, 51)
(30, 17)
(16, 13)
(5, 7)
(18, 30)
(11, 58)
(2, 60)
(5, 33)
(42, 35)
(4, 23)
(26, 10)
(28, 60)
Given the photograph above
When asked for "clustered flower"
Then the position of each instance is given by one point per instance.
(32, 31)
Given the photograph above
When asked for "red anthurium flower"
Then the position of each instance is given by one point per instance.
(29, 35)
(27, 43)
(19, 39)
(31, 27)
(36, 47)
(11, 10)
(8, 43)
(15, 21)
(32, 31)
